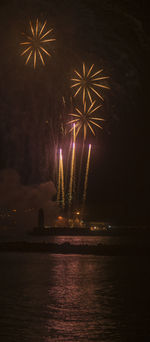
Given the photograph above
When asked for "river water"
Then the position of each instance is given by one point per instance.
(67, 298)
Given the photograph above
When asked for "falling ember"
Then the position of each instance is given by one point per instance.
(88, 83)
(35, 41)
(71, 173)
(86, 174)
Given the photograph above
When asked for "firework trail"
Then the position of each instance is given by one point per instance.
(86, 175)
(74, 165)
(72, 173)
(59, 182)
(67, 175)
(62, 179)
(60, 191)
(74, 133)
(80, 172)
(68, 154)
(56, 164)
(85, 120)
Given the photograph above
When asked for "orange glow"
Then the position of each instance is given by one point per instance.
(60, 218)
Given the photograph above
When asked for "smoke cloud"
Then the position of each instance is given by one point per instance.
(25, 201)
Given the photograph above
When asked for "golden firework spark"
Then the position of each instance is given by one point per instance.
(35, 42)
(85, 119)
(88, 83)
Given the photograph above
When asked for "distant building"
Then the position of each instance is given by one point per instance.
(7, 217)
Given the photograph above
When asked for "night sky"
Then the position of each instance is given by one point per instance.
(114, 35)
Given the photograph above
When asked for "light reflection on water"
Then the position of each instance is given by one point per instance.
(73, 298)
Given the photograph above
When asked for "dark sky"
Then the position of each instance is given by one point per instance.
(113, 35)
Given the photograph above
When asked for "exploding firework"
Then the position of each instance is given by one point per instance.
(86, 174)
(88, 83)
(35, 43)
(85, 119)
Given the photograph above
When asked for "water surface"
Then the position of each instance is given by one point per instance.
(71, 298)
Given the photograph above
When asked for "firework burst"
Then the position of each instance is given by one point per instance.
(89, 83)
(35, 43)
(85, 119)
